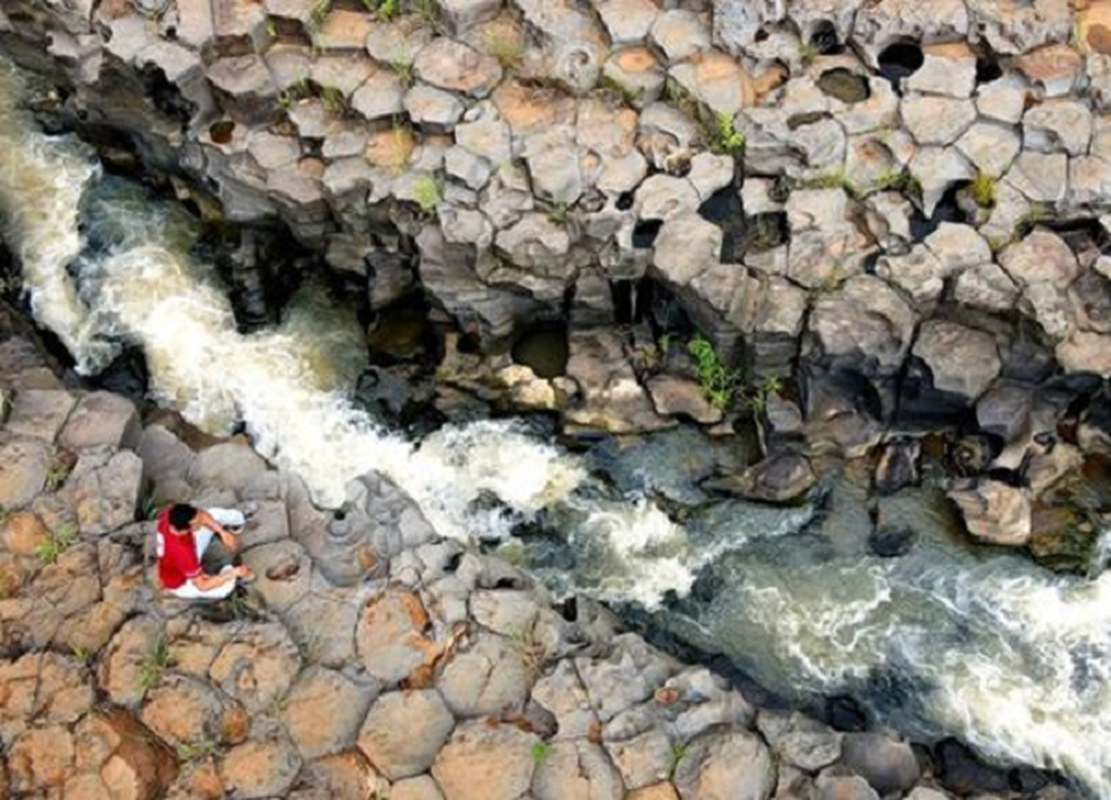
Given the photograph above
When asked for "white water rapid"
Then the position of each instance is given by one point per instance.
(997, 650)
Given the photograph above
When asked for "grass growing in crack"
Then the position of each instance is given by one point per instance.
(983, 190)
(154, 663)
(757, 399)
(298, 90)
(190, 752)
(899, 180)
(428, 12)
(58, 470)
(807, 53)
(427, 194)
(831, 282)
(677, 753)
(533, 652)
(319, 13)
(151, 506)
(309, 648)
(1039, 213)
(386, 9)
(540, 752)
(726, 139)
(81, 655)
(836, 179)
(628, 94)
(56, 543)
(334, 101)
(403, 68)
(719, 382)
(559, 213)
(271, 28)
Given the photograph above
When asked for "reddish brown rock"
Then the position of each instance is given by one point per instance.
(260, 768)
(24, 533)
(41, 759)
(486, 762)
(130, 761)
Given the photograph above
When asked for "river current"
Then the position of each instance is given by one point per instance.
(949, 640)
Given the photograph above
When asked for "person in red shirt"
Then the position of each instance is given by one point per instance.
(184, 533)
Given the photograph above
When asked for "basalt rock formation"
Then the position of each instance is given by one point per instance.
(371, 658)
(891, 215)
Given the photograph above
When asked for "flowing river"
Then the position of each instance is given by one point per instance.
(948, 640)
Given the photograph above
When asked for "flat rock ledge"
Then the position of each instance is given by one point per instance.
(367, 660)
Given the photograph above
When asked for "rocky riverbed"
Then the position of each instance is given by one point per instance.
(371, 659)
(868, 237)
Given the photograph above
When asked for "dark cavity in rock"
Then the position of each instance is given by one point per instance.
(127, 374)
(645, 233)
(401, 332)
(765, 232)
(890, 542)
(221, 132)
(845, 85)
(987, 69)
(900, 60)
(543, 349)
(724, 209)
(824, 39)
(622, 294)
(962, 772)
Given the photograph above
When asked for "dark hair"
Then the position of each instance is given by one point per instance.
(181, 514)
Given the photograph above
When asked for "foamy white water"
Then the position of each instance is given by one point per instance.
(1008, 656)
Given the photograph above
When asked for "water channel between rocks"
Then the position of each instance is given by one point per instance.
(948, 639)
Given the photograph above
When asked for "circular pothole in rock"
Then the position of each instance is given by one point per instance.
(221, 132)
(845, 85)
(543, 349)
(900, 60)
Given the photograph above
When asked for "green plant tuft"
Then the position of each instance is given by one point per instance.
(190, 752)
(983, 190)
(718, 381)
(318, 14)
(335, 102)
(559, 213)
(428, 12)
(426, 193)
(757, 399)
(726, 139)
(628, 94)
(540, 752)
(60, 540)
(61, 464)
(403, 68)
(154, 663)
(807, 53)
(677, 753)
(832, 281)
(387, 9)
